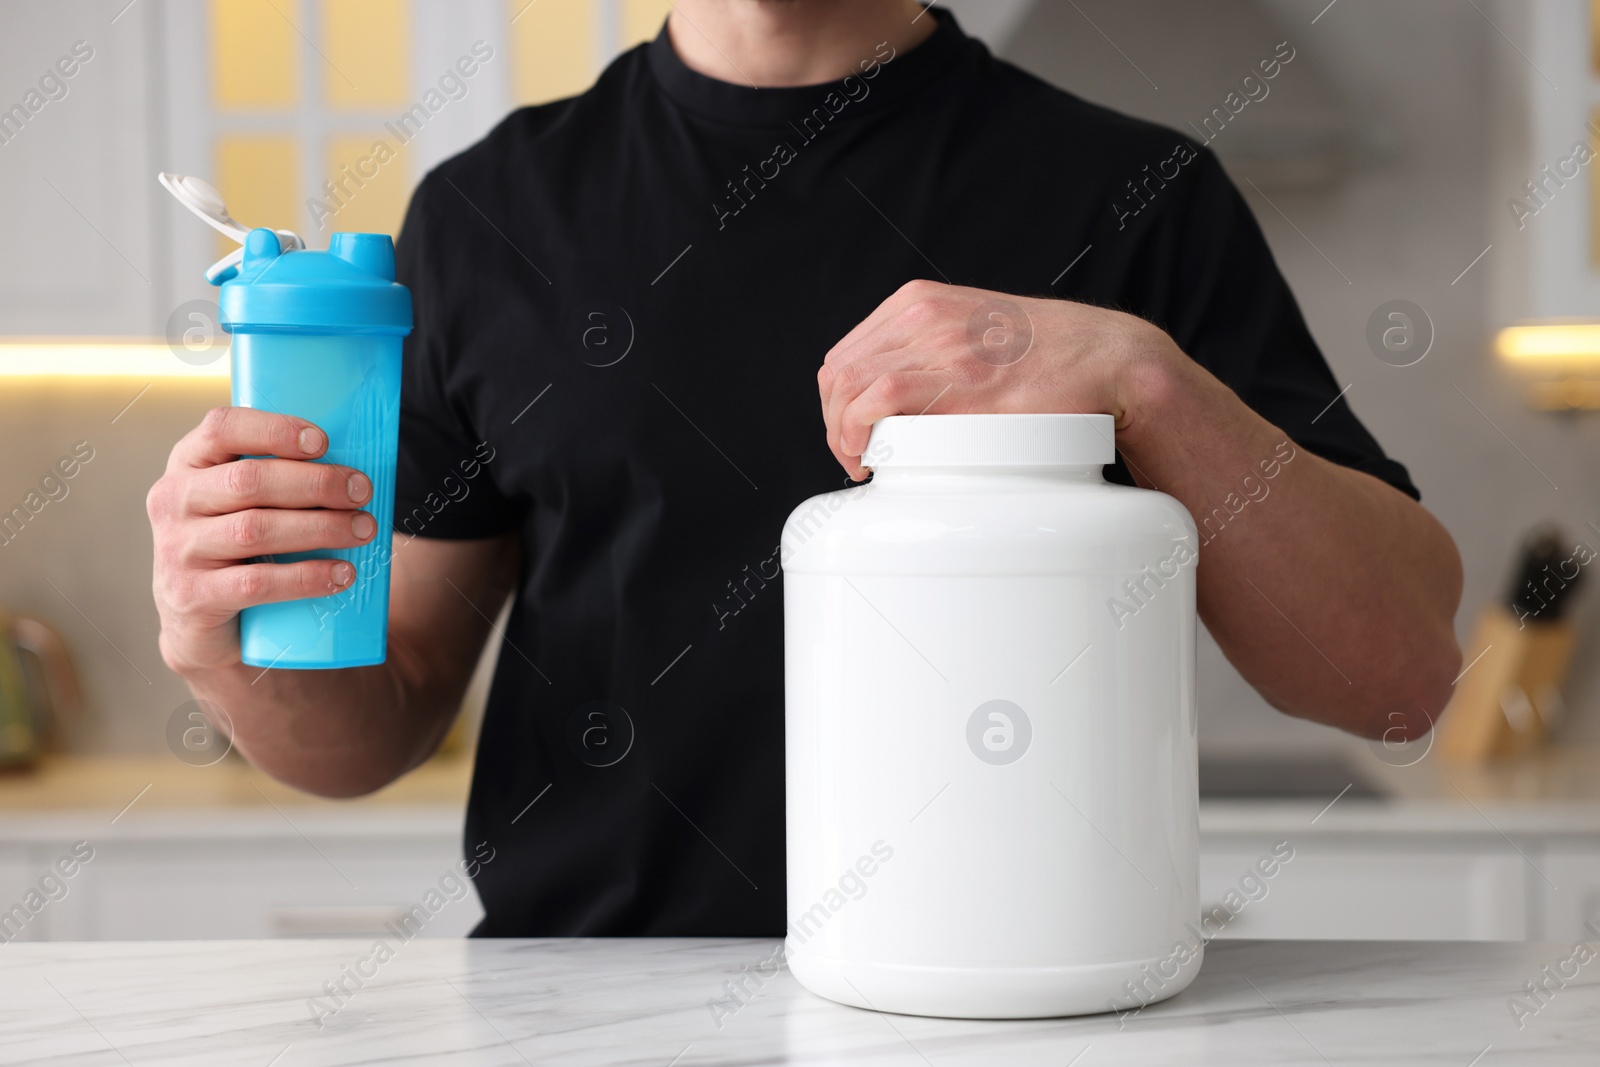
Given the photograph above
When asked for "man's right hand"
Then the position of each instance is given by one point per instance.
(213, 512)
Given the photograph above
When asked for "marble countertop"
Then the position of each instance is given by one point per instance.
(653, 1002)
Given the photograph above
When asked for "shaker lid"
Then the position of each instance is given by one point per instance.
(271, 283)
(203, 200)
(1032, 440)
(350, 288)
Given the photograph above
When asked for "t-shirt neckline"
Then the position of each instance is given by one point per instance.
(891, 81)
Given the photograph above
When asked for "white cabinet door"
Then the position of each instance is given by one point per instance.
(1338, 889)
(77, 171)
(20, 873)
(1571, 898)
(279, 887)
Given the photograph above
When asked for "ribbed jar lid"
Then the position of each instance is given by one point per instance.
(992, 441)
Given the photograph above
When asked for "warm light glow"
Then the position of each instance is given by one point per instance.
(110, 358)
(1562, 343)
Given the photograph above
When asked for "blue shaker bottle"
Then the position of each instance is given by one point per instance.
(317, 335)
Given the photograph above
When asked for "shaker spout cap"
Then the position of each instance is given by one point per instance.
(259, 245)
(371, 252)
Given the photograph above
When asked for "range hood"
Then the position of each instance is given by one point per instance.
(1290, 131)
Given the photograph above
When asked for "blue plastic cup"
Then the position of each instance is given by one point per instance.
(318, 335)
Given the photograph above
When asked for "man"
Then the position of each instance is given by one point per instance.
(623, 304)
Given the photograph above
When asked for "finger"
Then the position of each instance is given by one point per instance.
(921, 318)
(849, 380)
(274, 483)
(896, 393)
(230, 589)
(269, 532)
(228, 433)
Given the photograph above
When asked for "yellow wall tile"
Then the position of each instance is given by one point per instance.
(259, 177)
(255, 53)
(642, 19)
(371, 176)
(368, 48)
(553, 48)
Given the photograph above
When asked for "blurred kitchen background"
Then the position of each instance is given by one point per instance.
(1389, 162)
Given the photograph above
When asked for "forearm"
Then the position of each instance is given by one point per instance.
(333, 733)
(1330, 591)
(351, 731)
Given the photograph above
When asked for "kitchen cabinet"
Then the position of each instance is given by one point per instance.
(1457, 891)
(83, 252)
(1403, 870)
(17, 877)
(245, 875)
(176, 882)
(284, 888)
(1571, 910)
(177, 852)
(224, 852)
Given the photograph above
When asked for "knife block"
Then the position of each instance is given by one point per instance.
(1510, 694)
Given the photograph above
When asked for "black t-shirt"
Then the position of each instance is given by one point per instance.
(622, 301)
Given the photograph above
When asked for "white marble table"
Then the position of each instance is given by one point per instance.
(646, 1003)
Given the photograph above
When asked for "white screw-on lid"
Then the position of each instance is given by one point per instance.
(992, 441)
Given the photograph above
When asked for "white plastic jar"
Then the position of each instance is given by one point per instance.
(992, 781)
